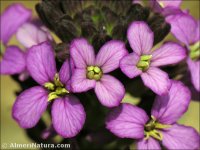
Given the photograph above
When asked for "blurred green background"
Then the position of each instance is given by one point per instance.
(12, 133)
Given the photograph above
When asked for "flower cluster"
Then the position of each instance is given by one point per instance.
(88, 68)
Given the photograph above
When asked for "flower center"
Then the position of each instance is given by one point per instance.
(94, 73)
(144, 62)
(56, 88)
(152, 129)
(195, 51)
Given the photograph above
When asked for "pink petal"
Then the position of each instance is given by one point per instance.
(127, 121)
(183, 27)
(150, 144)
(110, 54)
(68, 116)
(128, 65)
(11, 19)
(66, 71)
(169, 53)
(194, 67)
(156, 80)
(109, 91)
(140, 37)
(181, 137)
(79, 81)
(41, 63)
(29, 35)
(13, 61)
(29, 106)
(82, 53)
(170, 107)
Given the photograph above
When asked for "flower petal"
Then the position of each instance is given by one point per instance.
(140, 37)
(181, 137)
(66, 71)
(13, 61)
(29, 106)
(169, 53)
(150, 144)
(41, 63)
(170, 107)
(194, 67)
(79, 81)
(82, 53)
(11, 19)
(29, 35)
(183, 27)
(110, 54)
(68, 116)
(128, 65)
(127, 121)
(156, 80)
(109, 91)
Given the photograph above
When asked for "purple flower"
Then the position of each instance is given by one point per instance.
(128, 121)
(145, 62)
(68, 115)
(186, 29)
(92, 72)
(30, 34)
(27, 33)
(11, 19)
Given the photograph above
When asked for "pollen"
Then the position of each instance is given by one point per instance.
(144, 62)
(152, 129)
(94, 73)
(56, 88)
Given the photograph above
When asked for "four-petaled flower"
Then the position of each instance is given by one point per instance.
(128, 121)
(68, 115)
(145, 62)
(186, 29)
(91, 72)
